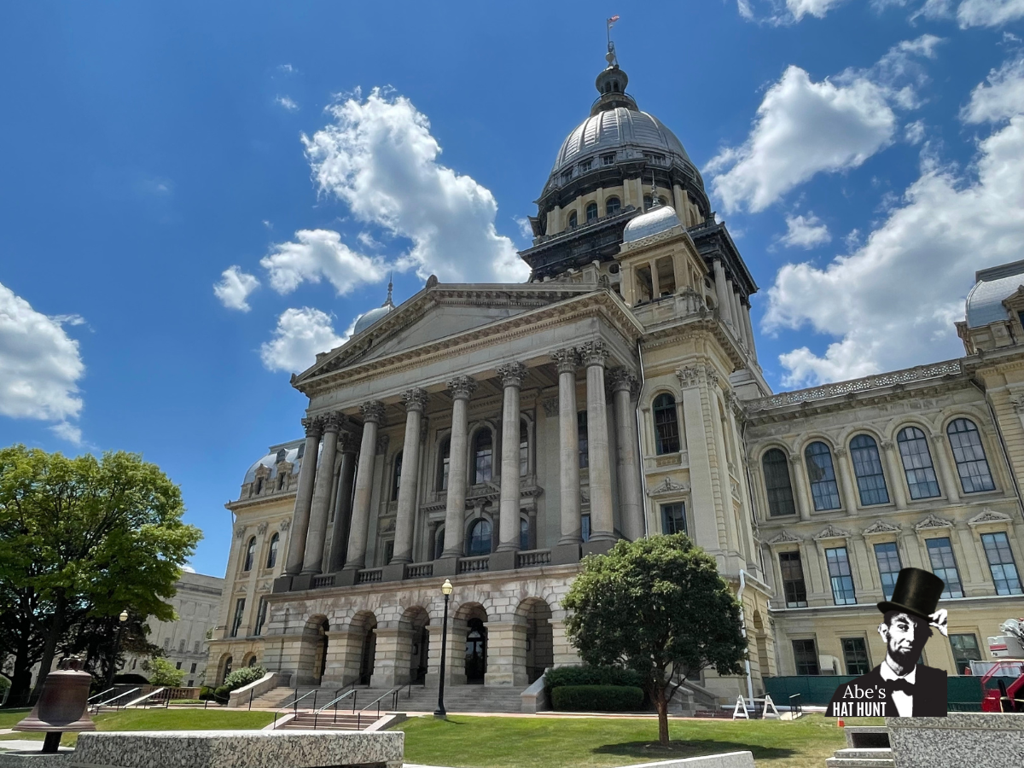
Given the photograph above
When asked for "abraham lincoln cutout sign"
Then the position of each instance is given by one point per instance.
(899, 686)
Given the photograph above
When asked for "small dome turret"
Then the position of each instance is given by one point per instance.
(369, 318)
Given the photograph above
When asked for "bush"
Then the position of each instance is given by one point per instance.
(242, 677)
(162, 672)
(597, 698)
(563, 676)
(206, 693)
(221, 693)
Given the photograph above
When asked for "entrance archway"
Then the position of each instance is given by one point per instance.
(476, 651)
(320, 657)
(415, 621)
(367, 623)
(540, 645)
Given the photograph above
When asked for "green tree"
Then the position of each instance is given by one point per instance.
(162, 672)
(656, 606)
(80, 539)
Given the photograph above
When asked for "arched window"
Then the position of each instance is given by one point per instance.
(572, 220)
(259, 485)
(666, 424)
(822, 475)
(250, 554)
(867, 466)
(275, 540)
(444, 462)
(971, 463)
(227, 668)
(252, 661)
(524, 533)
(524, 449)
(777, 483)
(439, 541)
(591, 212)
(396, 478)
(479, 540)
(917, 463)
(482, 455)
(612, 206)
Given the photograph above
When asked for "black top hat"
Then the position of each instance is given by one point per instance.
(917, 592)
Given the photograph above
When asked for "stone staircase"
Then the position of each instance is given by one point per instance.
(861, 758)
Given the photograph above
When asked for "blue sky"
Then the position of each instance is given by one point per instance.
(867, 156)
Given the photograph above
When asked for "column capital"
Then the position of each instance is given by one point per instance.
(313, 425)
(461, 387)
(887, 445)
(332, 422)
(415, 399)
(692, 375)
(594, 353)
(567, 360)
(795, 458)
(347, 442)
(512, 374)
(373, 411)
(840, 451)
(620, 379)
(937, 439)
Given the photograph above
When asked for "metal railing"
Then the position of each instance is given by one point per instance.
(795, 705)
(107, 703)
(334, 703)
(101, 693)
(293, 705)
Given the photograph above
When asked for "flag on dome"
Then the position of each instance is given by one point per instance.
(612, 20)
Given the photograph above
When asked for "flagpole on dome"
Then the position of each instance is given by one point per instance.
(611, 58)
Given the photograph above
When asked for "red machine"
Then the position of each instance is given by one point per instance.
(1002, 697)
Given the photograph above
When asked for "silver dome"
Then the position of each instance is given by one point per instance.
(659, 219)
(285, 452)
(371, 317)
(995, 285)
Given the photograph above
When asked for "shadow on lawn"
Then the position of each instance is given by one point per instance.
(680, 749)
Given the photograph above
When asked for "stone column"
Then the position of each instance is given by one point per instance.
(392, 656)
(373, 415)
(567, 361)
(896, 476)
(506, 652)
(343, 505)
(631, 502)
(722, 294)
(317, 533)
(803, 497)
(344, 654)
(415, 401)
(512, 375)
(750, 332)
(460, 388)
(845, 471)
(602, 524)
(303, 498)
(941, 461)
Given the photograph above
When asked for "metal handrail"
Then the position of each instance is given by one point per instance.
(398, 692)
(351, 692)
(119, 696)
(142, 700)
(101, 693)
(293, 705)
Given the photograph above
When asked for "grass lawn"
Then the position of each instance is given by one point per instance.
(152, 720)
(543, 742)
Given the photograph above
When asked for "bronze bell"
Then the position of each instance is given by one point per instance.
(62, 704)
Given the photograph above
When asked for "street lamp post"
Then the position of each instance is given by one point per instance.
(122, 619)
(446, 590)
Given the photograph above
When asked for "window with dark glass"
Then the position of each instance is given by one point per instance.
(889, 565)
(581, 432)
(971, 463)
(482, 456)
(940, 554)
(840, 575)
(867, 466)
(439, 542)
(524, 449)
(673, 518)
(591, 212)
(822, 475)
(227, 666)
(612, 206)
(444, 464)
(917, 463)
(586, 165)
(777, 483)
(524, 533)
(805, 654)
(396, 477)
(479, 540)
(585, 527)
(607, 159)
(572, 220)
(666, 424)
(275, 542)
(236, 623)
(261, 617)
(389, 551)
(1000, 561)
(855, 654)
(965, 650)
(250, 554)
(793, 579)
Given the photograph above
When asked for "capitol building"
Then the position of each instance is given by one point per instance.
(494, 434)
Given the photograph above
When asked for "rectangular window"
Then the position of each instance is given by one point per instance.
(855, 654)
(585, 165)
(261, 616)
(608, 159)
(940, 553)
(840, 575)
(965, 650)
(581, 431)
(806, 657)
(673, 518)
(888, 566)
(239, 610)
(192, 671)
(1000, 560)
(585, 527)
(389, 551)
(793, 579)
(178, 665)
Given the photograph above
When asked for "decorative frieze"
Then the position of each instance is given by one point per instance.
(668, 485)
(261, 528)
(783, 537)
(989, 516)
(932, 521)
(831, 532)
(693, 375)
(239, 531)
(880, 527)
(285, 525)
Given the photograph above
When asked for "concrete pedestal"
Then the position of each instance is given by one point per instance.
(960, 739)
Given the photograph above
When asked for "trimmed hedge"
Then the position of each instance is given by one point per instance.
(242, 677)
(597, 698)
(562, 676)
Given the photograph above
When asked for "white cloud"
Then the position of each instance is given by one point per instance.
(1001, 98)
(299, 336)
(815, 8)
(234, 288)
(525, 227)
(805, 232)
(988, 13)
(287, 69)
(892, 302)
(67, 431)
(286, 102)
(40, 365)
(368, 241)
(381, 160)
(784, 12)
(914, 132)
(317, 253)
